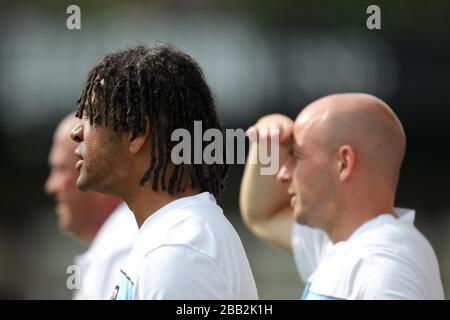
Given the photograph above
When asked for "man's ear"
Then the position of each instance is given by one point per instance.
(136, 143)
(346, 163)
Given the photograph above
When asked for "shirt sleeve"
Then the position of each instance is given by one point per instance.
(308, 246)
(178, 272)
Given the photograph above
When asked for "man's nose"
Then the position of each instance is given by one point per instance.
(285, 173)
(77, 133)
(50, 187)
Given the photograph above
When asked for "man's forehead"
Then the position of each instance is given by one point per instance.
(302, 127)
(61, 151)
(311, 122)
(64, 142)
(306, 140)
(299, 140)
(65, 127)
(62, 137)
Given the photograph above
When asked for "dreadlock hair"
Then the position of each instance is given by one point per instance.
(168, 87)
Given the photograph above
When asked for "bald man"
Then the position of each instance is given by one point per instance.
(100, 221)
(332, 202)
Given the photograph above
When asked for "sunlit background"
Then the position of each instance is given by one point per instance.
(259, 57)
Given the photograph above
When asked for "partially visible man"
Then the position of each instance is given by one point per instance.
(98, 220)
(132, 103)
(332, 202)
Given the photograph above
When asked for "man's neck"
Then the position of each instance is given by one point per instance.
(143, 202)
(345, 225)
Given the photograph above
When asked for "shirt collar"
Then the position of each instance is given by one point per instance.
(176, 204)
(403, 215)
(145, 239)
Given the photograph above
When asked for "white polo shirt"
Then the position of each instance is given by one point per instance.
(100, 264)
(385, 258)
(187, 250)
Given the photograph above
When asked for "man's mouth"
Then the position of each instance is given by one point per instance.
(79, 164)
(293, 196)
(293, 199)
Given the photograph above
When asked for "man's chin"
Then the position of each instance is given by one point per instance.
(301, 221)
(82, 184)
(86, 186)
(63, 221)
(300, 218)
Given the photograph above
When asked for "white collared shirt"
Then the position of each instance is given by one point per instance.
(187, 250)
(100, 264)
(385, 258)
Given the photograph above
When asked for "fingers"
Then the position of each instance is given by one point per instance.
(286, 132)
(252, 133)
(275, 126)
(257, 132)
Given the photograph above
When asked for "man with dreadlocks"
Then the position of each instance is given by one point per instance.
(186, 248)
(91, 217)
